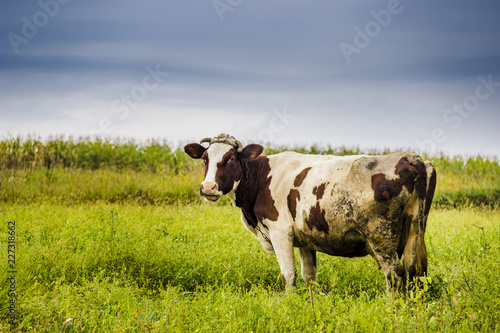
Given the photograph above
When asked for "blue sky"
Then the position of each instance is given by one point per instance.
(419, 75)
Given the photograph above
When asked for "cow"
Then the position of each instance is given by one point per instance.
(348, 206)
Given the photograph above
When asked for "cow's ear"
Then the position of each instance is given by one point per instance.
(194, 150)
(251, 151)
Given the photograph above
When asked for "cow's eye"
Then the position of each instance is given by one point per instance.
(231, 160)
(205, 160)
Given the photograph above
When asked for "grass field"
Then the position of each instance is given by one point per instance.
(130, 248)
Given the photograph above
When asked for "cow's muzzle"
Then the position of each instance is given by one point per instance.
(210, 191)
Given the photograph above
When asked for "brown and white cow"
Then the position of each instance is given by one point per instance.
(348, 206)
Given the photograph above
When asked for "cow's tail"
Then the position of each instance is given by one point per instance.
(424, 205)
(415, 252)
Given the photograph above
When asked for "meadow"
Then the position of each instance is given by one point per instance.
(113, 237)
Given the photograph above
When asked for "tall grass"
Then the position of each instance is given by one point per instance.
(89, 153)
(91, 170)
(76, 186)
(467, 181)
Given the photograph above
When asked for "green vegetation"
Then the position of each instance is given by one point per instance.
(113, 237)
(126, 268)
(87, 153)
(466, 182)
(77, 171)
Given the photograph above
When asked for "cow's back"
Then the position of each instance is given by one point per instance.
(330, 199)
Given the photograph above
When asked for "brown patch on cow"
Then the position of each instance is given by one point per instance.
(319, 191)
(292, 199)
(385, 189)
(300, 177)
(264, 204)
(253, 195)
(317, 219)
(412, 174)
(227, 173)
(407, 173)
(421, 179)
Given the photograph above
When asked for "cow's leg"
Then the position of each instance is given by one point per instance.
(415, 254)
(410, 255)
(308, 265)
(283, 247)
(392, 268)
(384, 248)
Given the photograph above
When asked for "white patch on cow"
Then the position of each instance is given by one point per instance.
(232, 194)
(284, 168)
(215, 153)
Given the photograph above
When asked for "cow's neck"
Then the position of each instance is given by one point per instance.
(246, 193)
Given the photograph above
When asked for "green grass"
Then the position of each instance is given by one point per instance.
(126, 268)
(113, 237)
(69, 171)
(73, 186)
(465, 182)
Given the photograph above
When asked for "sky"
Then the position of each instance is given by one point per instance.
(415, 75)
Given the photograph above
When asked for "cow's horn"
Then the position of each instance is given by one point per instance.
(240, 146)
(206, 140)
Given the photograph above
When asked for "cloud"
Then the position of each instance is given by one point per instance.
(230, 75)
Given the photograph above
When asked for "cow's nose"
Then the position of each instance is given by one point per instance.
(208, 188)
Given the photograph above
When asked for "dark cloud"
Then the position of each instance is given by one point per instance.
(263, 55)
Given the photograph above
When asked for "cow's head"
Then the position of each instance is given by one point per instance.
(224, 163)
